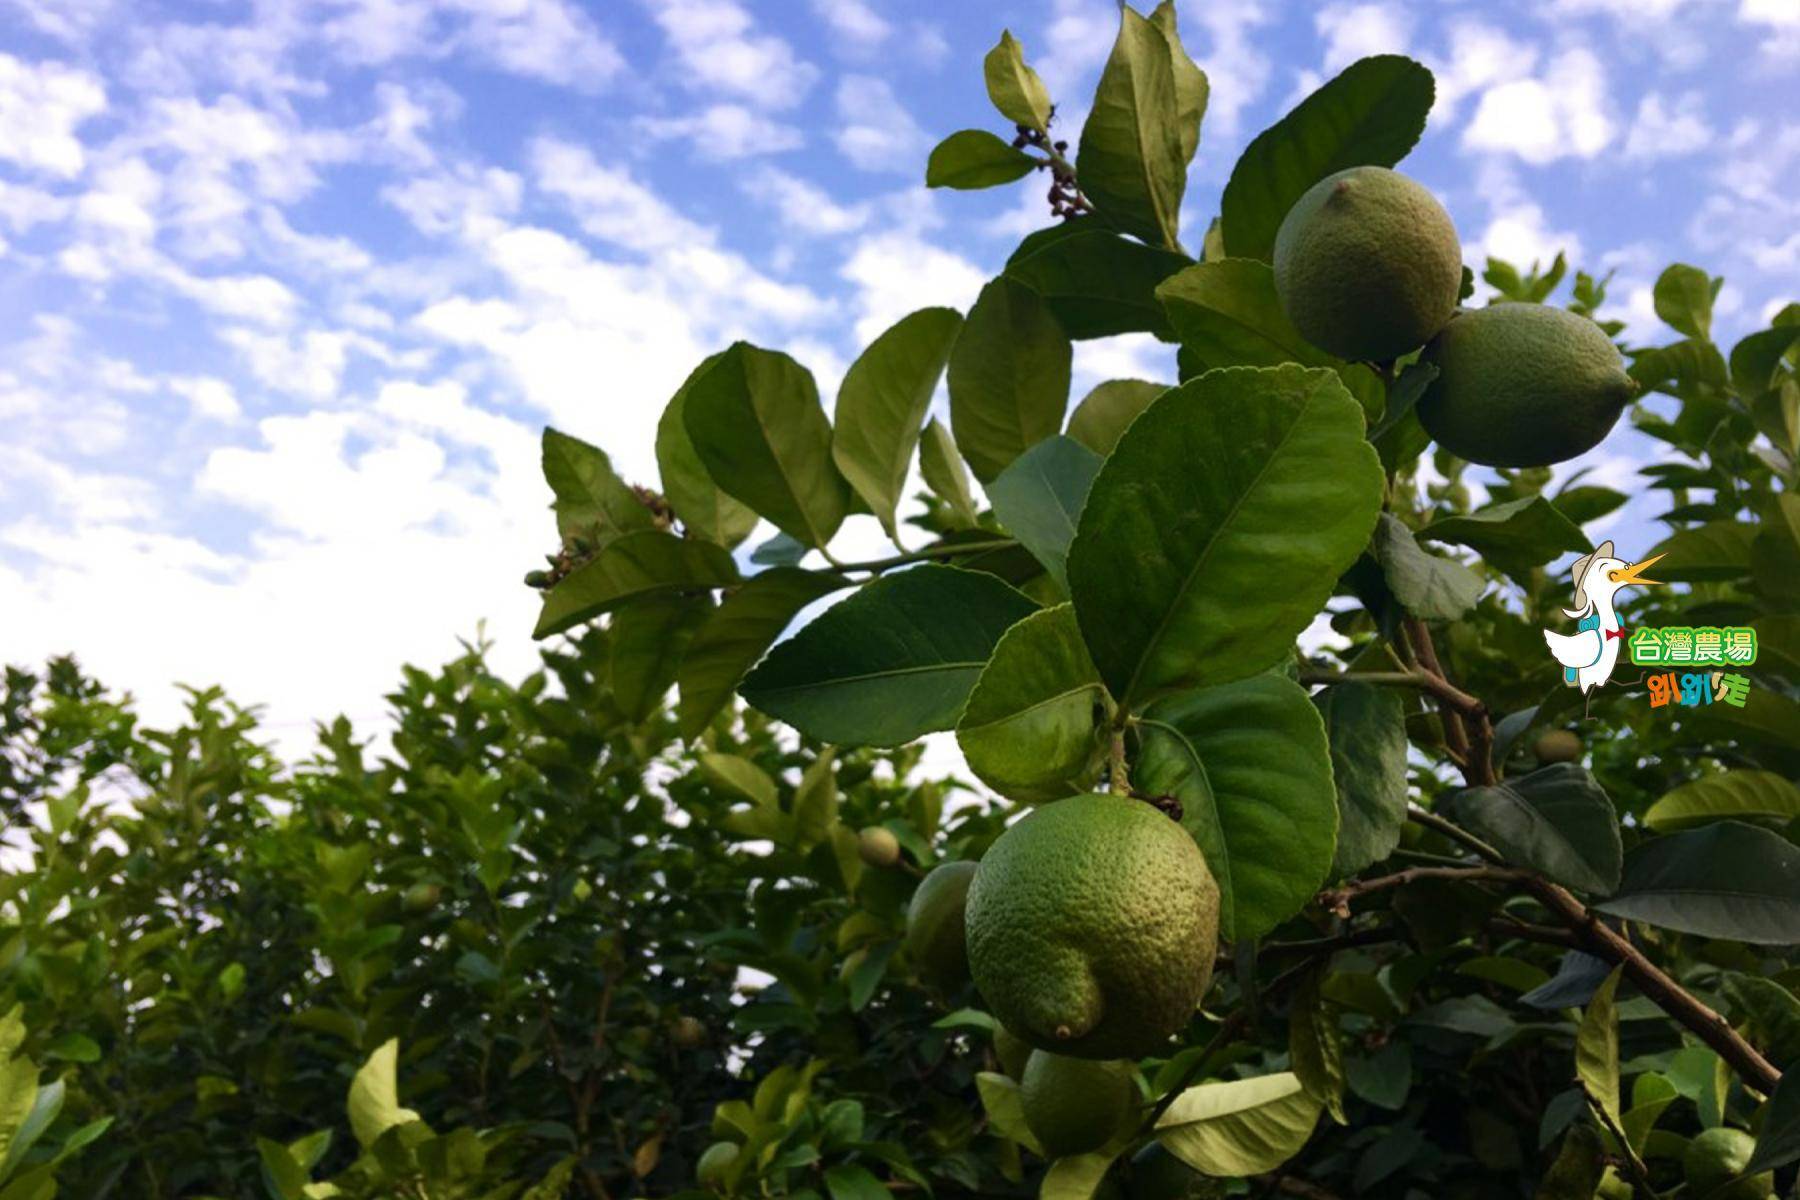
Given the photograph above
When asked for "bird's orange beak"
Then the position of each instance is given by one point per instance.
(1634, 574)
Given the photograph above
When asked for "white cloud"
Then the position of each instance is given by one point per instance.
(802, 206)
(1780, 22)
(1668, 130)
(875, 131)
(1073, 46)
(719, 49)
(1480, 55)
(310, 365)
(856, 23)
(208, 397)
(608, 202)
(1353, 31)
(1540, 119)
(41, 106)
(1224, 47)
(897, 273)
(723, 132)
(551, 40)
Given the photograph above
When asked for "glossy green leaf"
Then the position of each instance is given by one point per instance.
(846, 1181)
(1683, 297)
(1719, 550)
(1745, 795)
(1076, 1178)
(1030, 728)
(704, 510)
(1772, 1014)
(1005, 1110)
(636, 565)
(591, 502)
(740, 630)
(1252, 769)
(1014, 88)
(1515, 535)
(1756, 358)
(1366, 729)
(1009, 377)
(755, 421)
(971, 159)
(1779, 1142)
(892, 662)
(1191, 87)
(647, 640)
(1104, 413)
(1580, 1164)
(1597, 1049)
(741, 777)
(882, 403)
(1097, 283)
(1371, 113)
(1241, 1127)
(1315, 1047)
(1556, 820)
(374, 1096)
(1216, 529)
(1723, 880)
(1130, 160)
(941, 466)
(1038, 499)
(1427, 585)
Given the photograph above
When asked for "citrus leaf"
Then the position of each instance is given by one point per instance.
(1028, 731)
(1076, 1178)
(1249, 763)
(1216, 529)
(1597, 1048)
(1371, 113)
(756, 424)
(882, 404)
(1009, 377)
(1779, 1143)
(1756, 358)
(736, 635)
(1005, 1109)
(1683, 297)
(374, 1096)
(850, 1182)
(590, 500)
(705, 511)
(1767, 718)
(1315, 1048)
(1515, 535)
(1717, 551)
(1130, 159)
(971, 159)
(1038, 499)
(1556, 820)
(1242, 1127)
(1097, 283)
(892, 662)
(1751, 795)
(647, 640)
(1427, 585)
(1772, 1013)
(1014, 88)
(1191, 87)
(1366, 728)
(636, 565)
(941, 466)
(1723, 880)
(1104, 413)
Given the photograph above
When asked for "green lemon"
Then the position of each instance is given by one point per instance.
(934, 925)
(1092, 926)
(1367, 264)
(1557, 746)
(687, 1032)
(878, 847)
(1074, 1105)
(420, 898)
(1716, 1158)
(1523, 385)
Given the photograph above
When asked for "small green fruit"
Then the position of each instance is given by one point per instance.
(1716, 1158)
(1092, 927)
(1523, 385)
(687, 1032)
(420, 898)
(715, 1160)
(934, 926)
(1367, 264)
(878, 847)
(1011, 1050)
(1074, 1105)
(1157, 1174)
(1557, 746)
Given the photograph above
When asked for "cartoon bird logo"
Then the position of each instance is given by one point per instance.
(1589, 655)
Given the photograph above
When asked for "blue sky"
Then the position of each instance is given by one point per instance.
(287, 290)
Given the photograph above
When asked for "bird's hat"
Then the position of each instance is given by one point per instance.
(1579, 571)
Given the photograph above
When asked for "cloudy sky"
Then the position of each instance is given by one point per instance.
(288, 289)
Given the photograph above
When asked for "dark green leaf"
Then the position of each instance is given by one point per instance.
(1779, 1143)
(1773, 1014)
(1515, 535)
(1756, 359)
(744, 625)
(1588, 503)
(1038, 499)
(1250, 765)
(1366, 728)
(1315, 1047)
(1104, 413)
(1724, 880)
(1009, 377)
(591, 502)
(705, 511)
(648, 639)
(882, 404)
(1029, 731)
(1218, 526)
(1705, 553)
(1385, 1077)
(1555, 820)
(847, 1182)
(970, 159)
(1751, 795)
(1097, 283)
(779, 551)
(1014, 87)
(894, 661)
(1131, 162)
(1428, 586)
(942, 469)
(1371, 113)
(756, 423)
(636, 565)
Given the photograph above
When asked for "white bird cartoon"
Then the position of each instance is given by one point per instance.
(1589, 655)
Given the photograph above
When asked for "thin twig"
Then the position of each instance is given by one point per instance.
(926, 553)
(1337, 900)
(1640, 1174)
